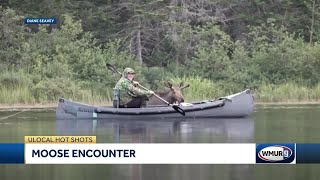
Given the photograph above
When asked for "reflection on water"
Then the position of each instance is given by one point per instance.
(239, 130)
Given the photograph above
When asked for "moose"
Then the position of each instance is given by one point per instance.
(172, 96)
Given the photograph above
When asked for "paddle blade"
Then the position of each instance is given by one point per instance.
(112, 68)
(179, 110)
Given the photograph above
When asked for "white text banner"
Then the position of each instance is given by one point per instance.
(140, 153)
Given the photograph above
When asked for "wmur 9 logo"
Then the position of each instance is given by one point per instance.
(275, 153)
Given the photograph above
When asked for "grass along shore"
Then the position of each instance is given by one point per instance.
(22, 98)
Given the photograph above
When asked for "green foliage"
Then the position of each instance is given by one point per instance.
(64, 62)
(155, 77)
(212, 55)
(274, 56)
(282, 57)
(12, 35)
(41, 63)
(298, 16)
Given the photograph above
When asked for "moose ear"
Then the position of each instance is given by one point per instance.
(166, 84)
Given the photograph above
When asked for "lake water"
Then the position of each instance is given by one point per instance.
(268, 124)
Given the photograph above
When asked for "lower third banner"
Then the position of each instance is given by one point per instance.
(92, 153)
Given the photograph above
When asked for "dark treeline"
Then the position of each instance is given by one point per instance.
(231, 44)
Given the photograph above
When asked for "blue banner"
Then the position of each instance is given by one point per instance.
(40, 21)
(11, 153)
(308, 153)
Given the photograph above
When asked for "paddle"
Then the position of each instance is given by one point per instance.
(113, 69)
(175, 107)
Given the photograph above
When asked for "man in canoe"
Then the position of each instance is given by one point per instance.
(130, 95)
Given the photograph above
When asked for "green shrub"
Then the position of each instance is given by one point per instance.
(52, 89)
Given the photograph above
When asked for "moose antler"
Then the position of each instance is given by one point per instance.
(184, 86)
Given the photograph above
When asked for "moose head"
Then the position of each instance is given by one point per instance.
(174, 94)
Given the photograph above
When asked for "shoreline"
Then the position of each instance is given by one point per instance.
(38, 106)
(289, 103)
(54, 105)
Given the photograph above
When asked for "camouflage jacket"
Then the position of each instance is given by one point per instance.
(127, 90)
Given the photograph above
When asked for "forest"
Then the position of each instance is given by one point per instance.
(217, 46)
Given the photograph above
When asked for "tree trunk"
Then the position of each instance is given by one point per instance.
(312, 21)
(139, 47)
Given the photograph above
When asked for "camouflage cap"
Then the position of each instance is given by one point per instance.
(127, 71)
